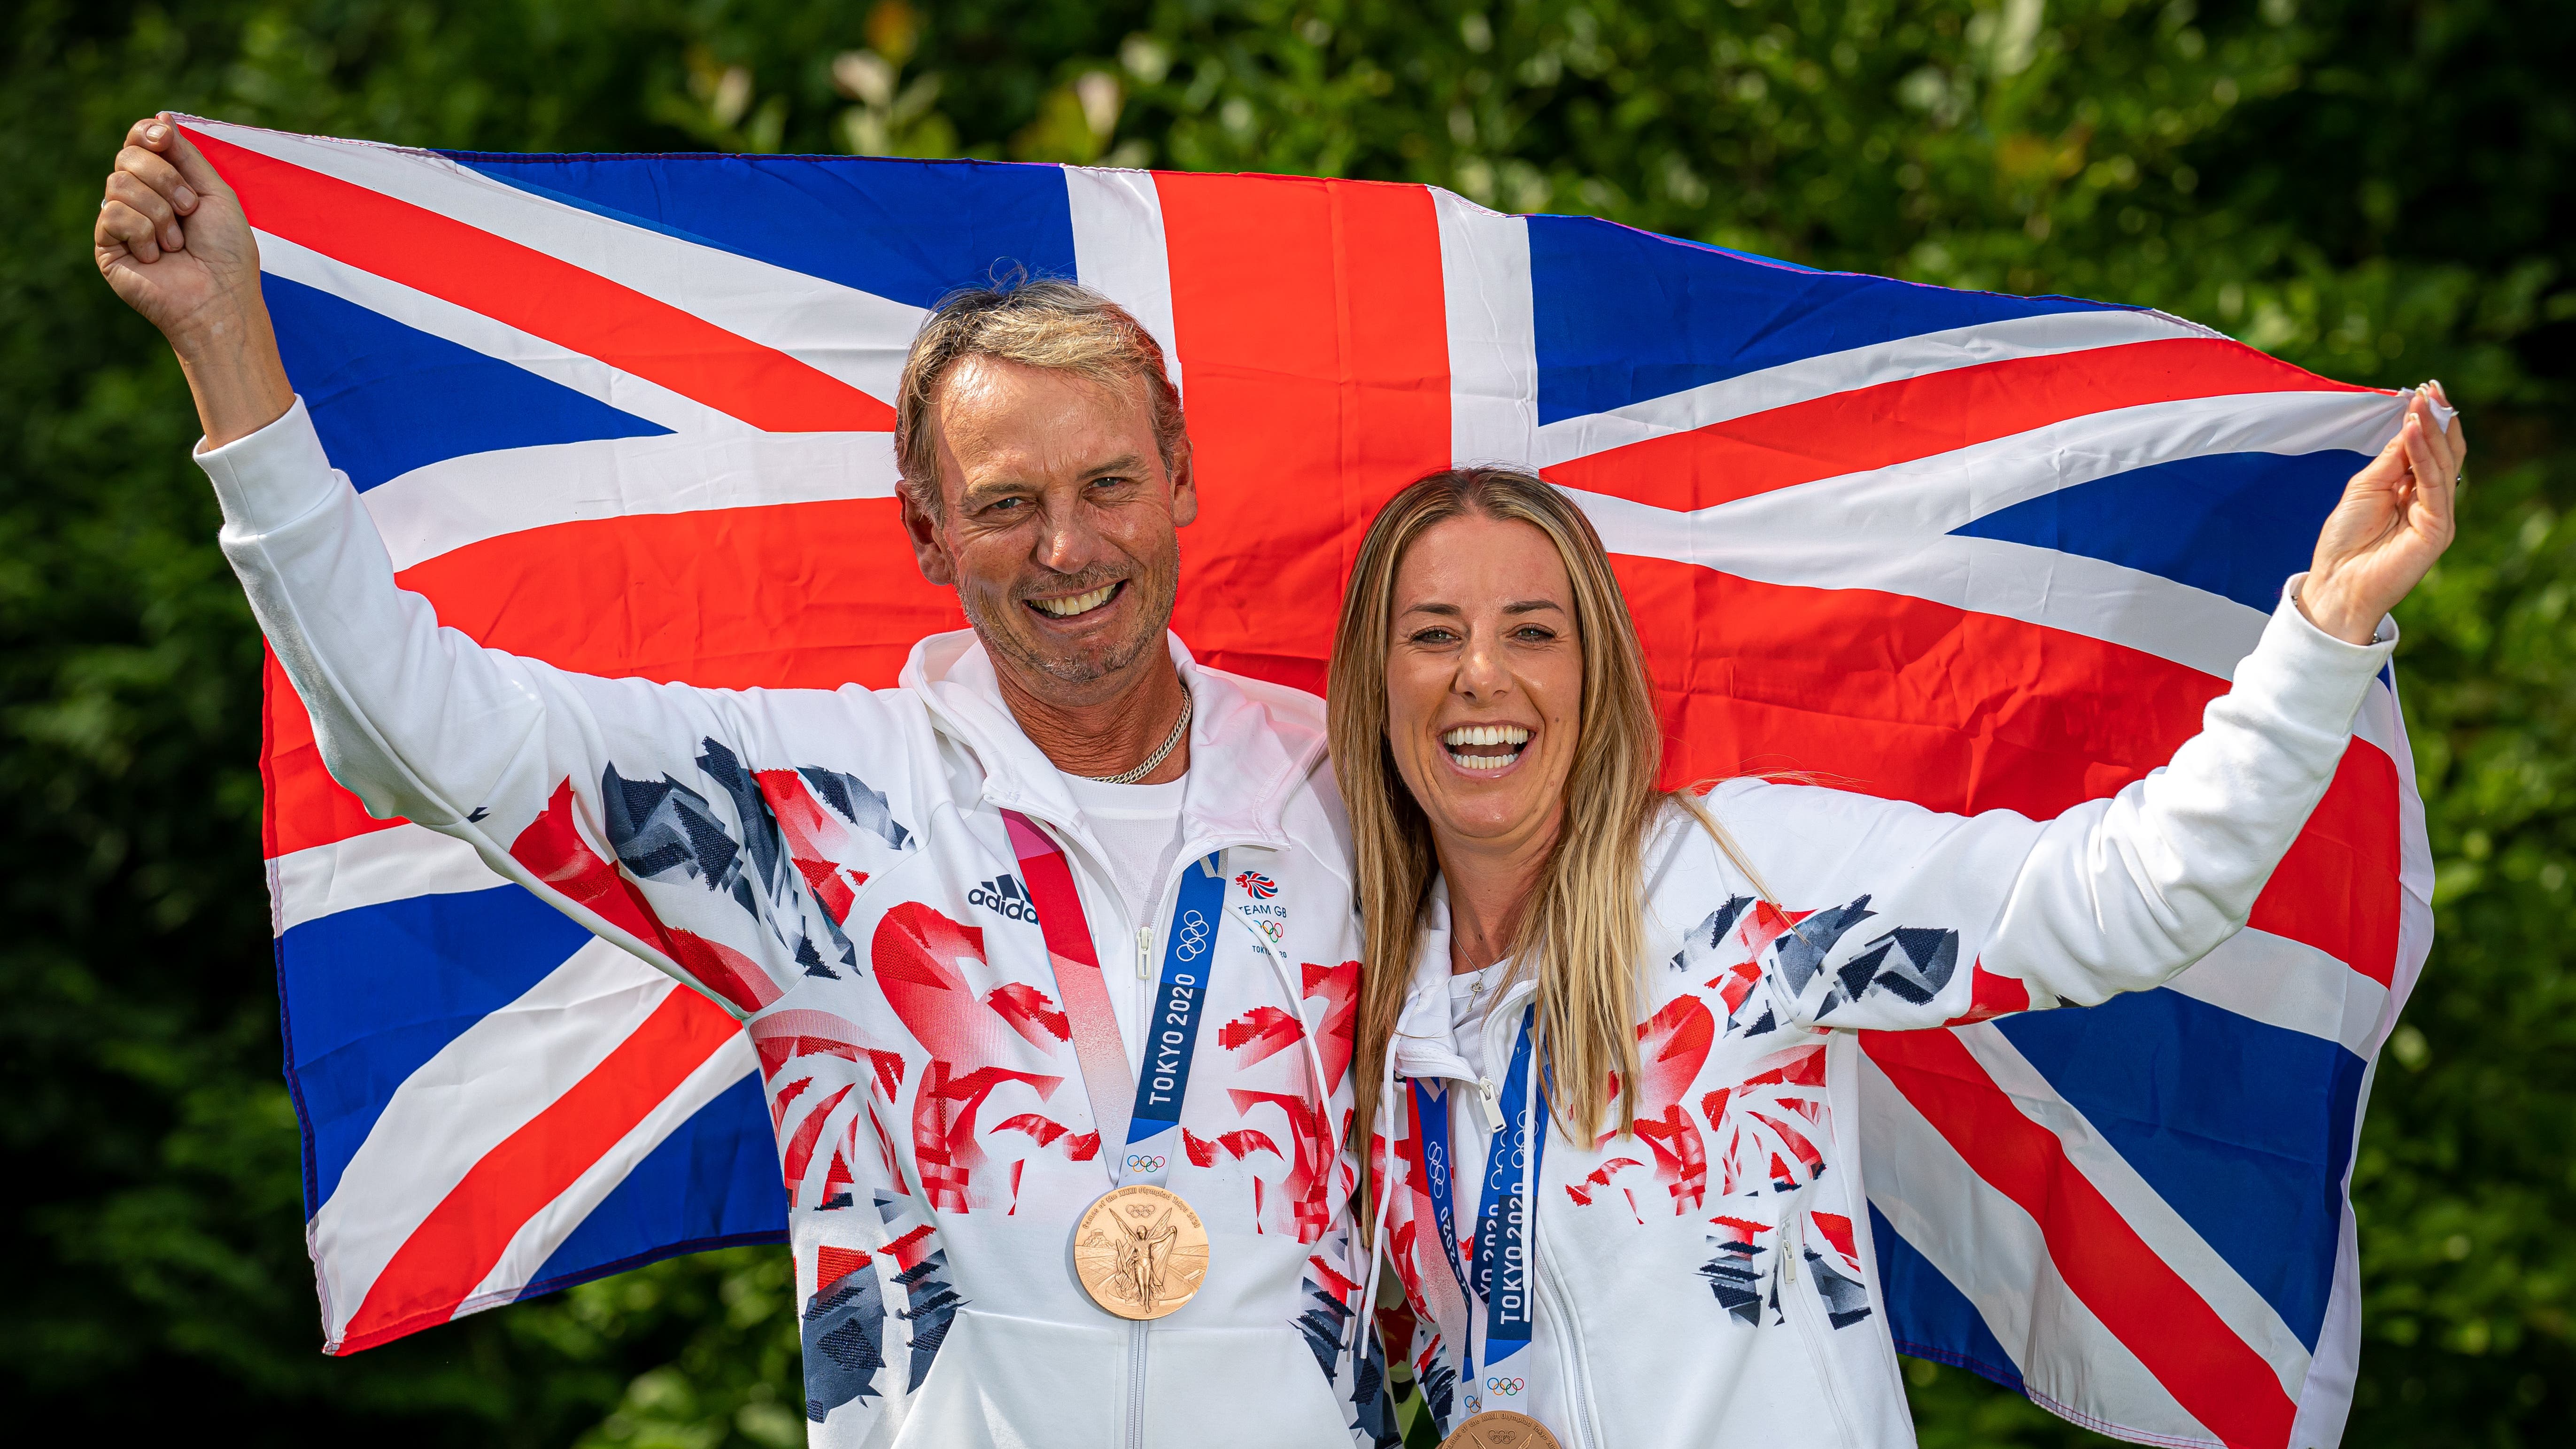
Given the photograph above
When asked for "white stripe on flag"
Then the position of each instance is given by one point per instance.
(1994, 1254)
(470, 329)
(1493, 333)
(485, 1085)
(2174, 1242)
(1890, 527)
(2326, 1403)
(2380, 717)
(539, 1237)
(2335, 1368)
(459, 501)
(393, 864)
(2288, 984)
(2377, 722)
(1119, 248)
(855, 336)
(1810, 378)
(710, 460)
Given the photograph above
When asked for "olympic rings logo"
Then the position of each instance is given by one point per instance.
(1140, 1162)
(1194, 936)
(1505, 1387)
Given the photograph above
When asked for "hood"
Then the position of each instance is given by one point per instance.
(1423, 1044)
(1269, 738)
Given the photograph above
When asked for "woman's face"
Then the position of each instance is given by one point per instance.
(1484, 680)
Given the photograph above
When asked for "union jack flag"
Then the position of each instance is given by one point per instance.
(629, 415)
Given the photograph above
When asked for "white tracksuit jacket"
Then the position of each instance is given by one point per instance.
(832, 866)
(1710, 1281)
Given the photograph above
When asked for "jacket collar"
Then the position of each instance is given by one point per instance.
(1424, 1045)
(1251, 744)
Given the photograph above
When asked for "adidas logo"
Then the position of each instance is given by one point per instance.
(1004, 896)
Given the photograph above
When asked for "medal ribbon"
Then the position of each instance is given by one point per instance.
(1506, 1210)
(1149, 1125)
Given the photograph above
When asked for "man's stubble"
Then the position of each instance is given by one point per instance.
(1016, 643)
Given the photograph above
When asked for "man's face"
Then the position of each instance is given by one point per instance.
(1057, 524)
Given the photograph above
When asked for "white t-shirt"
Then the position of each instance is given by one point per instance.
(1139, 828)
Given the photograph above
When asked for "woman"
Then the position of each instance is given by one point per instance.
(1604, 993)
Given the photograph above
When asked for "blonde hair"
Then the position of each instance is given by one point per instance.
(1582, 933)
(1057, 325)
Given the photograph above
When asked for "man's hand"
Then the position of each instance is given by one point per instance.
(173, 242)
(2397, 515)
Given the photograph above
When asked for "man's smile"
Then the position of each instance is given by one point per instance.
(1077, 604)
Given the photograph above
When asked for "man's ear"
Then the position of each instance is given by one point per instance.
(929, 543)
(1185, 485)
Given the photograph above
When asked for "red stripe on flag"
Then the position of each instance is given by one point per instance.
(1315, 357)
(457, 1246)
(2216, 1377)
(542, 296)
(793, 596)
(306, 807)
(1917, 417)
(1897, 696)
(2340, 887)
(1960, 711)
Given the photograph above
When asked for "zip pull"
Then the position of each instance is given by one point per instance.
(1490, 1098)
(1789, 1262)
(1144, 949)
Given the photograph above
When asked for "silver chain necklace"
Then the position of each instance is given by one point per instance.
(1171, 742)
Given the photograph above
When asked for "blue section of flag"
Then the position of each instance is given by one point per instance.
(387, 398)
(711, 1183)
(373, 993)
(912, 231)
(1929, 1317)
(2241, 1127)
(1624, 315)
(2236, 524)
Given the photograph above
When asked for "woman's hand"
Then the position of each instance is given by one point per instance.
(172, 240)
(2397, 515)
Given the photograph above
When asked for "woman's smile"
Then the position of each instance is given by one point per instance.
(1485, 749)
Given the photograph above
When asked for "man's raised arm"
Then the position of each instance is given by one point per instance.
(512, 755)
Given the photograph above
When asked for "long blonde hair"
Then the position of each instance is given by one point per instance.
(1582, 934)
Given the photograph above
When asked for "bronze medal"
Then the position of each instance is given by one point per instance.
(1140, 1251)
(1500, 1429)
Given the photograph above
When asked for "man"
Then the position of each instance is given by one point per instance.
(933, 905)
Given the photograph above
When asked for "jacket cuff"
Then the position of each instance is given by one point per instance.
(2308, 673)
(272, 477)
(2384, 640)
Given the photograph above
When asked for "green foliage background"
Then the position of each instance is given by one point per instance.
(2376, 189)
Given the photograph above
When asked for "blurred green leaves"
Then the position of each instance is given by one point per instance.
(2376, 189)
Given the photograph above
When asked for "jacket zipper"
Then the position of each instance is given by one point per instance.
(1502, 1016)
(1136, 1384)
(1804, 1308)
